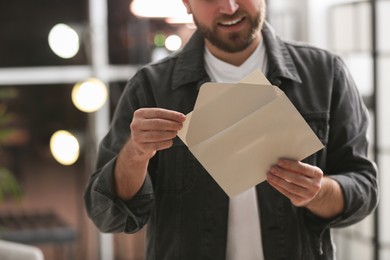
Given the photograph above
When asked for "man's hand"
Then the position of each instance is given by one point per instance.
(298, 181)
(306, 186)
(153, 129)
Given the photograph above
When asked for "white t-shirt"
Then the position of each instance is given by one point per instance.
(244, 235)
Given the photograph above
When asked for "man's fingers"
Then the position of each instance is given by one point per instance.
(302, 168)
(152, 113)
(157, 125)
(155, 146)
(290, 176)
(296, 199)
(300, 182)
(152, 129)
(157, 119)
(298, 195)
(153, 136)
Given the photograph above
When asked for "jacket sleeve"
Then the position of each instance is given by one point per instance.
(347, 159)
(106, 210)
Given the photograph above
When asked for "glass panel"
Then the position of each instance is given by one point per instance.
(50, 209)
(363, 25)
(360, 66)
(383, 26)
(383, 103)
(342, 28)
(351, 27)
(385, 253)
(384, 163)
(351, 244)
(288, 18)
(25, 26)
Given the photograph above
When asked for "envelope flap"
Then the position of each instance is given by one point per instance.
(234, 104)
(206, 95)
(209, 91)
(256, 77)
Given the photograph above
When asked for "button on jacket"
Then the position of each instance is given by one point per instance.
(184, 208)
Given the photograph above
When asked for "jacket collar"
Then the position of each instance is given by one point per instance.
(190, 60)
(280, 63)
(190, 63)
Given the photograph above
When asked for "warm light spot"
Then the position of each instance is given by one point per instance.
(173, 10)
(90, 95)
(64, 41)
(173, 42)
(64, 147)
(182, 19)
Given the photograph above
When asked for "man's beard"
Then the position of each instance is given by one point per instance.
(236, 41)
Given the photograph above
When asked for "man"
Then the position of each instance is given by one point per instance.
(146, 175)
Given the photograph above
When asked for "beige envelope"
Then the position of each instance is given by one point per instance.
(238, 131)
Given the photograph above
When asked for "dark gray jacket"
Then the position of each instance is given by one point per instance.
(183, 207)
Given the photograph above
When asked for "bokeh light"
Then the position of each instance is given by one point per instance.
(64, 41)
(158, 8)
(90, 95)
(159, 39)
(64, 147)
(173, 42)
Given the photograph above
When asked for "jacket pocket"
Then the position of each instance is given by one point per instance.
(319, 123)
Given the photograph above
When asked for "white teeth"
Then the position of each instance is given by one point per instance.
(231, 22)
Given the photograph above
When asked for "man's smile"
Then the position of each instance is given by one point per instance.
(232, 22)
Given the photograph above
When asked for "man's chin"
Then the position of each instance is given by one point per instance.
(231, 45)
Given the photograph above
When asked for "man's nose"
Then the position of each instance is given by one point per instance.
(228, 6)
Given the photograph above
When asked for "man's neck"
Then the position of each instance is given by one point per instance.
(236, 58)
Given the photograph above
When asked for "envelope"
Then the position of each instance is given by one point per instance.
(238, 131)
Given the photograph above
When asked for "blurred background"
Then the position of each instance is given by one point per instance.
(63, 66)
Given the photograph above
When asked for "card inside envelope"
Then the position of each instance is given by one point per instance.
(237, 131)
